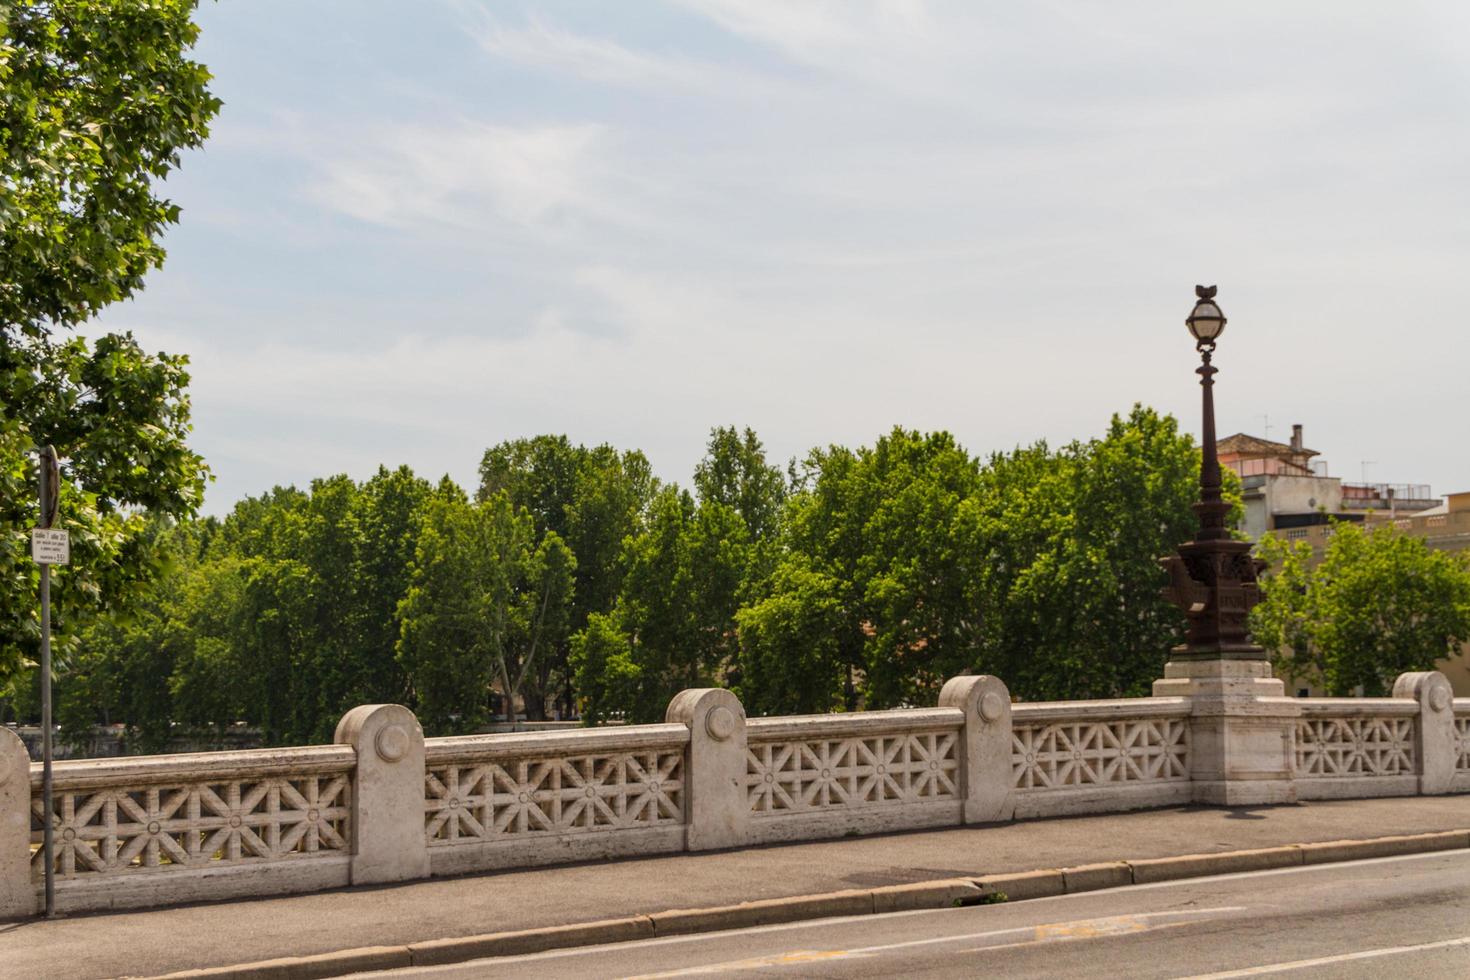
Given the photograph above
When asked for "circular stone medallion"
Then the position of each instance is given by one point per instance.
(391, 743)
(991, 706)
(1439, 697)
(720, 723)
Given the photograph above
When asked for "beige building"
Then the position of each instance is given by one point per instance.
(1444, 527)
(1285, 485)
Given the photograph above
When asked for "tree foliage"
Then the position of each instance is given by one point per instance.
(1379, 603)
(100, 98)
(683, 579)
(1067, 546)
(593, 499)
(573, 580)
(486, 597)
(873, 537)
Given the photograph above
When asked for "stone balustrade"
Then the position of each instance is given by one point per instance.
(1074, 757)
(540, 798)
(1460, 779)
(165, 829)
(386, 804)
(1356, 747)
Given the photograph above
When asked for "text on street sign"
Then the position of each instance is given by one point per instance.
(50, 546)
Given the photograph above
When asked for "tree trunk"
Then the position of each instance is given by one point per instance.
(508, 693)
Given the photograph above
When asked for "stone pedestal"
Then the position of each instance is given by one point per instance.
(717, 810)
(387, 793)
(1242, 737)
(17, 894)
(985, 750)
(1434, 735)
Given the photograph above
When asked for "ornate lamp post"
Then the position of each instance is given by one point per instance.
(1213, 578)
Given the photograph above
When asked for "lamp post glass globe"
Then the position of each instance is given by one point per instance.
(1205, 321)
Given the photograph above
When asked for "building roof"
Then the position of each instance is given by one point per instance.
(1254, 446)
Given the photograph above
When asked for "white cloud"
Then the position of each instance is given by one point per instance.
(548, 48)
(824, 218)
(412, 175)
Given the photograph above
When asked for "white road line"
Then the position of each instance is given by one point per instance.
(1045, 933)
(1367, 954)
(1271, 873)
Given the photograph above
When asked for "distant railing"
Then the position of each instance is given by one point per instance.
(1341, 742)
(1461, 749)
(1375, 494)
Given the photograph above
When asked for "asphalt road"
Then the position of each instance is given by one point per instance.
(1394, 917)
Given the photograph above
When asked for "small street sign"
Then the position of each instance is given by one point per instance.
(50, 546)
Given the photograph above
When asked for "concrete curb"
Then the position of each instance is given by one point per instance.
(942, 893)
(1200, 865)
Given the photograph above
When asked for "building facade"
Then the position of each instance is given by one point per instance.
(1285, 485)
(1288, 493)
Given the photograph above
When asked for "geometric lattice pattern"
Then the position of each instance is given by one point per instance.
(1462, 745)
(1355, 747)
(1100, 753)
(488, 801)
(823, 774)
(196, 825)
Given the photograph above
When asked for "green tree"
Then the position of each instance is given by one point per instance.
(388, 514)
(99, 100)
(1067, 546)
(118, 418)
(675, 613)
(734, 473)
(122, 667)
(871, 536)
(681, 580)
(790, 659)
(485, 598)
(592, 499)
(609, 681)
(1379, 603)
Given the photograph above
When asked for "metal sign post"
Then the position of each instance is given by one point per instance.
(48, 548)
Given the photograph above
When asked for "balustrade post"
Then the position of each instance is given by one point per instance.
(1434, 729)
(987, 782)
(388, 840)
(716, 801)
(17, 894)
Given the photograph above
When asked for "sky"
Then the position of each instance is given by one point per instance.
(419, 229)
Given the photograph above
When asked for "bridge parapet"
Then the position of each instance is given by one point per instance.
(1460, 777)
(161, 830)
(386, 804)
(530, 798)
(1072, 757)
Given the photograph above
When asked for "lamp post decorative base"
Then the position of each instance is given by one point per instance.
(1188, 676)
(1214, 582)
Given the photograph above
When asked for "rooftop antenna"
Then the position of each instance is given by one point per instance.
(1364, 465)
(1266, 426)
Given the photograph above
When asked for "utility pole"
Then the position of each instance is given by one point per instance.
(48, 547)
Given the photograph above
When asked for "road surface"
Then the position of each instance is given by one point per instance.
(1394, 917)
